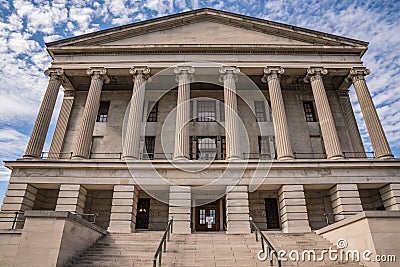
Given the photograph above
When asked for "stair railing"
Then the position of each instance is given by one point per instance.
(162, 247)
(269, 251)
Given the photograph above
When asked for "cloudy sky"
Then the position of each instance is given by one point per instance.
(25, 27)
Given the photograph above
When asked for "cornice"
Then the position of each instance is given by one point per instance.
(162, 164)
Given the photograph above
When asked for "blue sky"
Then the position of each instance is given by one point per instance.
(25, 26)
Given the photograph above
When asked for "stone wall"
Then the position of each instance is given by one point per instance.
(52, 238)
(318, 202)
(376, 231)
(257, 206)
(9, 242)
(99, 202)
(371, 199)
(46, 199)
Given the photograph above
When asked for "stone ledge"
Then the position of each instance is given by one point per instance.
(357, 217)
(63, 215)
(11, 231)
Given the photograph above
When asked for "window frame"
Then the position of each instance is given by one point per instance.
(259, 109)
(208, 110)
(309, 111)
(102, 114)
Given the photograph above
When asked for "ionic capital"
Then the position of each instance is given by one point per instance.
(314, 73)
(184, 73)
(98, 74)
(272, 73)
(55, 74)
(357, 73)
(140, 72)
(228, 73)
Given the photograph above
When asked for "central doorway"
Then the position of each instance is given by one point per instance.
(207, 217)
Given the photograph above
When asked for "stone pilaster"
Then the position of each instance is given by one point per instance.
(283, 144)
(351, 123)
(372, 122)
(84, 141)
(237, 210)
(345, 200)
(132, 136)
(228, 76)
(390, 195)
(326, 122)
(180, 208)
(124, 208)
(72, 198)
(19, 197)
(182, 139)
(293, 209)
(39, 132)
(62, 123)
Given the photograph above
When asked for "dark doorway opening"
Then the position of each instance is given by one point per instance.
(143, 212)
(272, 213)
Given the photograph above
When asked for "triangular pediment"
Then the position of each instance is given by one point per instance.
(205, 32)
(206, 27)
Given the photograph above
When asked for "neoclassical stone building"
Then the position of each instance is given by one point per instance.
(152, 126)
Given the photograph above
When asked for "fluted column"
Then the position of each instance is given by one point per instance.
(283, 145)
(182, 140)
(351, 123)
(228, 76)
(374, 126)
(61, 126)
(326, 122)
(132, 136)
(39, 132)
(84, 141)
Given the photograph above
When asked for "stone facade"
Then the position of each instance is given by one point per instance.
(305, 148)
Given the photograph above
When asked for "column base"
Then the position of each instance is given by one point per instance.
(288, 157)
(388, 156)
(29, 157)
(233, 158)
(77, 157)
(181, 158)
(336, 157)
(132, 158)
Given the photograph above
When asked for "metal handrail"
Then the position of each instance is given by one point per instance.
(312, 155)
(267, 156)
(270, 249)
(152, 156)
(15, 220)
(335, 214)
(56, 155)
(163, 243)
(106, 155)
(355, 155)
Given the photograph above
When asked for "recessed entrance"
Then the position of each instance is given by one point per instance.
(143, 212)
(271, 210)
(207, 217)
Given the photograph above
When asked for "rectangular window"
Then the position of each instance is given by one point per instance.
(309, 111)
(259, 108)
(153, 107)
(269, 109)
(103, 111)
(221, 111)
(206, 148)
(205, 111)
(149, 144)
(223, 147)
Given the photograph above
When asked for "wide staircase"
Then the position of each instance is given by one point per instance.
(198, 249)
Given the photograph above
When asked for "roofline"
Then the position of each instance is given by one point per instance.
(206, 10)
